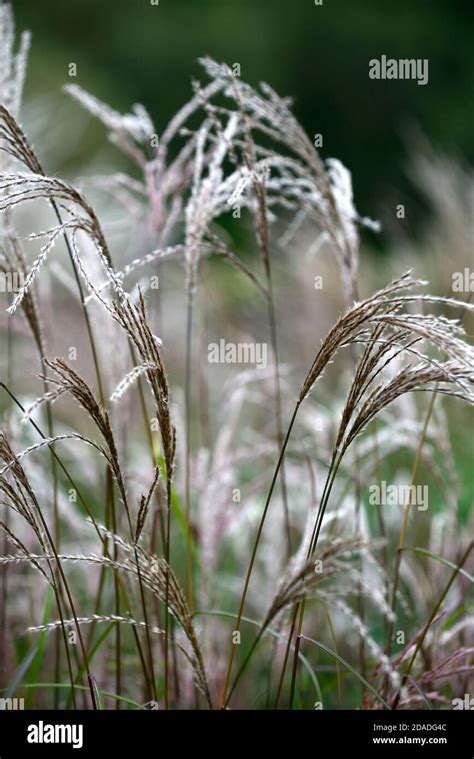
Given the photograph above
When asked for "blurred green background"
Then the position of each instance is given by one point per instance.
(131, 51)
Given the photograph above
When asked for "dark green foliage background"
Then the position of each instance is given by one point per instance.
(129, 51)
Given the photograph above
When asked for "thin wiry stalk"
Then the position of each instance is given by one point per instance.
(32, 318)
(359, 411)
(430, 621)
(404, 524)
(52, 582)
(69, 379)
(134, 322)
(403, 528)
(50, 541)
(161, 581)
(35, 164)
(91, 517)
(221, 162)
(298, 581)
(187, 457)
(225, 697)
(263, 234)
(300, 606)
(37, 185)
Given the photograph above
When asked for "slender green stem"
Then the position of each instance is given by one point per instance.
(254, 551)
(333, 469)
(285, 659)
(278, 408)
(187, 460)
(167, 588)
(403, 530)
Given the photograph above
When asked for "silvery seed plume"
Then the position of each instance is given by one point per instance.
(303, 581)
(12, 64)
(136, 126)
(357, 325)
(14, 144)
(164, 180)
(13, 262)
(299, 180)
(66, 379)
(145, 504)
(206, 201)
(133, 319)
(19, 188)
(25, 554)
(92, 620)
(18, 495)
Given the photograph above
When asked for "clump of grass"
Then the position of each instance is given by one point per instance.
(160, 515)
